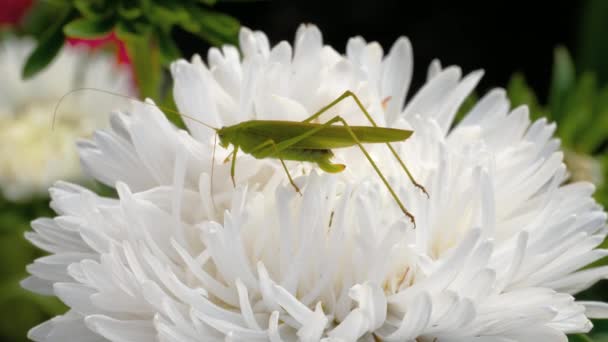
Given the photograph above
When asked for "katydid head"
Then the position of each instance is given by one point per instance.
(223, 141)
(226, 136)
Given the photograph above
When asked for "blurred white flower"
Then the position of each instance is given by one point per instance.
(32, 155)
(496, 256)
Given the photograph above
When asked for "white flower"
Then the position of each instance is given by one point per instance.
(496, 255)
(32, 154)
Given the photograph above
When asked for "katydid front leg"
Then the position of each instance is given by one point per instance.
(272, 143)
(233, 165)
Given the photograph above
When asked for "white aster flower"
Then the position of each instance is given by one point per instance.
(32, 155)
(496, 255)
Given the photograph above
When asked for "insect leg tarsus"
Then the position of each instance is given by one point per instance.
(289, 176)
(369, 158)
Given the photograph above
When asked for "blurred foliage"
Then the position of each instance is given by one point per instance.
(21, 309)
(578, 102)
(592, 49)
(145, 26)
(599, 333)
(579, 106)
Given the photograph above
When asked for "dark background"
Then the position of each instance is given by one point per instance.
(500, 37)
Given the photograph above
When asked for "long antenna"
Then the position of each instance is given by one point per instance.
(125, 97)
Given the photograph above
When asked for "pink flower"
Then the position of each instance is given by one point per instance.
(121, 52)
(13, 10)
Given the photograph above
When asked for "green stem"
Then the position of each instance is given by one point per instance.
(145, 58)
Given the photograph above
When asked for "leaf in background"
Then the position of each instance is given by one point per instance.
(520, 93)
(126, 31)
(597, 133)
(88, 28)
(26, 308)
(562, 80)
(169, 103)
(600, 337)
(93, 9)
(466, 107)
(579, 338)
(577, 112)
(48, 46)
(41, 16)
(129, 10)
(217, 28)
(169, 14)
(145, 56)
(168, 50)
(602, 193)
(599, 333)
(593, 50)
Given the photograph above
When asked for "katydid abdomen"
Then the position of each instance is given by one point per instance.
(255, 132)
(317, 156)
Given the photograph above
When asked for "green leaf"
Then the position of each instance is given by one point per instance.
(41, 16)
(46, 50)
(169, 103)
(43, 55)
(593, 50)
(168, 50)
(130, 10)
(465, 108)
(219, 28)
(577, 112)
(520, 93)
(95, 9)
(599, 333)
(602, 192)
(88, 28)
(579, 338)
(562, 81)
(145, 54)
(128, 30)
(23, 309)
(600, 338)
(167, 14)
(595, 135)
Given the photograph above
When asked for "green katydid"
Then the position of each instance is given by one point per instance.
(306, 141)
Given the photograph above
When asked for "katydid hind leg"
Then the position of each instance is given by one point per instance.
(371, 161)
(290, 142)
(327, 107)
(390, 147)
(349, 93)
